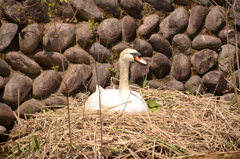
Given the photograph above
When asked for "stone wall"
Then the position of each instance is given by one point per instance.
(52, 49)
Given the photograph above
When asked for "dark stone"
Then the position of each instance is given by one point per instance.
(100, 76)
(177, 85)
(215, 82)
(149, 24)
(181, 44)
(160, 65)
(37, 11)
(194, 85)
(77, 55)
(228, 57)
(84, 34)
(215, 19)
(202, 2)
(59, 36)
(99, 52)
(128, 28)
(29, 38)
(181, 67)
(75, 76)
(171, 25)
(14, 11)
(196, 20)
(156, 84)
(161, 5)
(29, 107)
(64, 10)
(5, 71)
(51, 59)
(17, 83)
(134, 8)
(204, 60)
(6, 115)
(143, 47)
(23, 63)
(161, 44)
(117, 49)
(87, 9)
(110, 6)
(230, 36)
(234, 38)
(7, 32)
(56, 101)
(206, 42)
(46, 83)
(109, 31)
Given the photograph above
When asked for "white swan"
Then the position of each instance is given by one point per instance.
(121, 99)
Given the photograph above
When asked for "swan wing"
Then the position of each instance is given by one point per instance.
(135, 103)
(109, 99)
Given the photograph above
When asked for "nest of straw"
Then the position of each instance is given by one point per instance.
(184, 126)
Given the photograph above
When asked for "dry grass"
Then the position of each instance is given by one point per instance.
(186, 126)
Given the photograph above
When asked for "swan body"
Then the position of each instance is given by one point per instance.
(122, 99)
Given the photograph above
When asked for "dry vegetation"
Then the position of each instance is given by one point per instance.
(185, 126)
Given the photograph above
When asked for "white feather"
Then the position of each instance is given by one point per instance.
(121, 99)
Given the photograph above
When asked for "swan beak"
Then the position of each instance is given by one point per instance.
(140, 60)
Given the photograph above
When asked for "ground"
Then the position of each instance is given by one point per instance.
(182, 126)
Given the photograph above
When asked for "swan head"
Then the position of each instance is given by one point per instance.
(131, 55)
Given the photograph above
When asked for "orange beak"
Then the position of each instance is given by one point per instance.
(140, 60)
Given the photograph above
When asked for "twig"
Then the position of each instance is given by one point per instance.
(19, 122)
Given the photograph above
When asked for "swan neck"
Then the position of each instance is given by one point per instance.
(123, 84)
